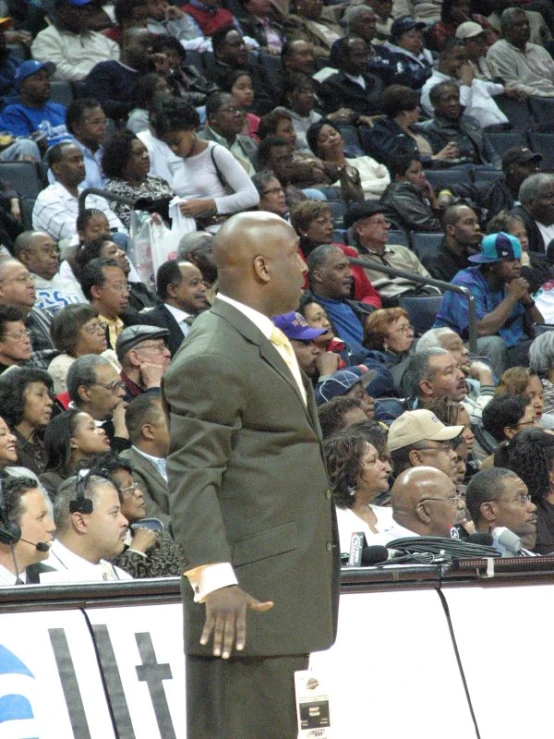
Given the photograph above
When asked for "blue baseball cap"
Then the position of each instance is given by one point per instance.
(403, 25)
(32, 66)
(342, 381)
(496, 247)
(295, 326)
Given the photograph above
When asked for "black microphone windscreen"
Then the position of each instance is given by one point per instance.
(42, 546)
(374, 555)
(481, 538)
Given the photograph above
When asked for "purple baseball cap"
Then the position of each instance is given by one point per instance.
(295, 326)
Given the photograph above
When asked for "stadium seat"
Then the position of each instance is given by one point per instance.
(504, 140)
(445, 179)
(543, 143)
(516, 111)
(23, 177)
(338, 209)
(27, 205)
(421, 311)
(425, 244)
(352, 145)
(542, 328)
(61, 92)
(488, 175)
(399, 237)
(542, 110)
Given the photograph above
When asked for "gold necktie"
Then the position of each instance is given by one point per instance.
(284, 347)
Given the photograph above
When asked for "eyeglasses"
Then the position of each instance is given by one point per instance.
(273, 191)
(158, 348)
(445, 446)
(520, 499)
(94, 328)
(23, 278)
(96, 121)
(534, 422)
(408, 329)
(119, 288)
(231, 110)
(131, 490)
(112, 386)
(18, 335)
(452, 499)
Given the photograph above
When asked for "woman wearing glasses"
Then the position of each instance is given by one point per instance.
(357, 477)
(15, 340)
(389, 331)
(149, 552)
(525, 381)
(70, 439)
(26, 402)
(76, 330)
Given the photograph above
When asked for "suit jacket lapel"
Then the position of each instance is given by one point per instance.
(267, 351)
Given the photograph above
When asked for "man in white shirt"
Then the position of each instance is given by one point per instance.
(181, 288)
(90, 528)
(475, 95)
(38, 251)
(425, 503)
(149, 434)
(497, 497)
(70, 44)
(57, 206)
(25, 528)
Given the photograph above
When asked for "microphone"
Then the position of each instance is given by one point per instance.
(481, 538)
(374, 555)
(40, 546)
(357, 543)
(505, 539)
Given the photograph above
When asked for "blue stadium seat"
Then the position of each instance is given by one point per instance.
(61, 92)
(421, 311)
(338, 209)
(542, 110)
(23, 177)
(399, 237)
(516, 111)
(445, 179)
(425, 244)
(543, 143)
(488, 175)
(352, 145)
(27, 205)
(504, 140)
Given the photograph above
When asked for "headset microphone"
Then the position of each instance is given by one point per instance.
(40, 546)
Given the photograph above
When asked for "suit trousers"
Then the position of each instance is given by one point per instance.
(242, 697)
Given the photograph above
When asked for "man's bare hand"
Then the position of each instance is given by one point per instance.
(151, 374)
(226, 619)
(518, 288)
(327, 363)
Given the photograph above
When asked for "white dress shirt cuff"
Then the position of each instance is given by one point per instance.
(207, 578)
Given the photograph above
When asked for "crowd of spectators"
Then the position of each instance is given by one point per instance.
(386, 131)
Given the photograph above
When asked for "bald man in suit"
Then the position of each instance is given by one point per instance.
(249, 496)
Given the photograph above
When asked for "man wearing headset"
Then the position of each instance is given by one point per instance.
(25, 529)
(90, 529)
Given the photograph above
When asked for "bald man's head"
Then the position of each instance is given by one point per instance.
(425, 501)
(258, 264)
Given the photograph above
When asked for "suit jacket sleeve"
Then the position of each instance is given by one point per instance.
(206, 422)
